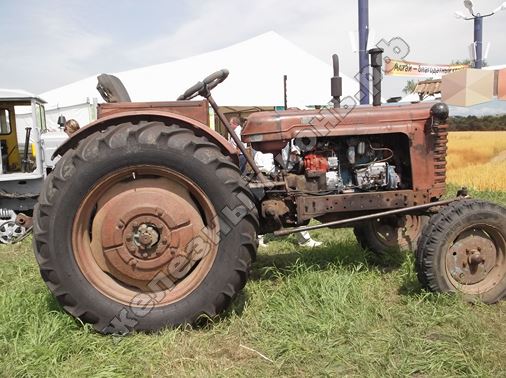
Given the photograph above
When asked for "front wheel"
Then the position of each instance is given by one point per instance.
(463, 249)
(144, 226)
(390, 234)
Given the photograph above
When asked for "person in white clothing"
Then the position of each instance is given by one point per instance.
(265, 163)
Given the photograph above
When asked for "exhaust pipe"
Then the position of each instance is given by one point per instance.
(336, 83)
(376, 63)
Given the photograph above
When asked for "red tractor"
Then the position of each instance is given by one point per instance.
(147, 222)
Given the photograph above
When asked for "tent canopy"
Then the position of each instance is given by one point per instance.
(468, 87)
(256, 70)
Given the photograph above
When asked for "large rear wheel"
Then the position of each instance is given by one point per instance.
(144, 226)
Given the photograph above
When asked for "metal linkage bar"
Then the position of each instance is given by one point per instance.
(364, 217)
(236, 139)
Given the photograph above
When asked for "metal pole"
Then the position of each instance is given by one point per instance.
(478, 41)
(285, 77)
(363, 61)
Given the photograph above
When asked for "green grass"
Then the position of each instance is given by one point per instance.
(328, 311)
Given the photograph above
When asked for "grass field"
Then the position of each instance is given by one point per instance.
(327, 311)
(478, 159)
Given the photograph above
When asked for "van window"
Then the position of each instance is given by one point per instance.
(5, 121)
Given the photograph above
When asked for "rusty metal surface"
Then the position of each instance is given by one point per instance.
(140, 234)
(147, 115)
(439, 158)
(144, 229)
(24, 220)
(361, 120)
(197, 110)
(271, 131)
(313, 206)
(274, 208)
(349, 221)
(476, 260)
(399, 230)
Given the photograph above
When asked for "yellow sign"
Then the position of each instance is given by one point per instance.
(413, 69)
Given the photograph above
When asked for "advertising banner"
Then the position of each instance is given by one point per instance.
(413, 69)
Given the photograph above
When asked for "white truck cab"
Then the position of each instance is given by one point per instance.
(24, 164)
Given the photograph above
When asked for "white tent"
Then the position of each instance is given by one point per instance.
(414, 97)
(256, 70)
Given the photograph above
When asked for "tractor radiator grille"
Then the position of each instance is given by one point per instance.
(440, 149)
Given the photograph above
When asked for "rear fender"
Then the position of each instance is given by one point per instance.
(137, 116)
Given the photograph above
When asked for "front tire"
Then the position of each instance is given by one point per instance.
(463, 249)
(144, 226)
(390, 234)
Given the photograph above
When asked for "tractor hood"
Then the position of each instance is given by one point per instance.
(270, 131)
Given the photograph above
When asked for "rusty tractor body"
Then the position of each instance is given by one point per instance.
(163, 225)
(343, 153)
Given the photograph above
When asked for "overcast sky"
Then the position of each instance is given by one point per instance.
(47, 44)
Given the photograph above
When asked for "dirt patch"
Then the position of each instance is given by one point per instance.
(499, 158)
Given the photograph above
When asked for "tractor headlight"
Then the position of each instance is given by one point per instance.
(439, 112)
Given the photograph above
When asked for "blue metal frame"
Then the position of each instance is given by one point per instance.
(363, 63)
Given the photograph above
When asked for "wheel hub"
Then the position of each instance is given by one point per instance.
(475, 257)
(145, 233)
(140, 231)
(146, 236)
(472, 257)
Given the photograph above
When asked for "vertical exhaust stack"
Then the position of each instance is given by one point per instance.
(376, 64)
(336, 83)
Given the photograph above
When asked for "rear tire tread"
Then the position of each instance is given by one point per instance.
(136, 135)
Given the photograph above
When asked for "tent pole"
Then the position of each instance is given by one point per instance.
(285, 96)
(363, 36)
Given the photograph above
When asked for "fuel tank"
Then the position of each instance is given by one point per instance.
(269, 132)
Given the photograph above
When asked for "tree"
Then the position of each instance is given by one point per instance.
(409, 87)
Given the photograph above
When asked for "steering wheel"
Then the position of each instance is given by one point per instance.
(203, 87)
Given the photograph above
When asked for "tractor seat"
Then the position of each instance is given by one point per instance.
(112, 89)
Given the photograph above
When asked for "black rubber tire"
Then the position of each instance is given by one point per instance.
(442, 230)
(369, 239)
(126, 145)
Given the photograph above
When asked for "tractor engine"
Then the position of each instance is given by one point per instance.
(342, 165)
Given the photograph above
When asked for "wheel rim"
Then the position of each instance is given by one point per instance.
(397, 231)
(145, 230)
(11, 232)
(476, 260)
